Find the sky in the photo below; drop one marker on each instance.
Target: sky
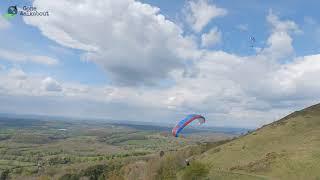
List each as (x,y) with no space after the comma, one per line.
(159,60)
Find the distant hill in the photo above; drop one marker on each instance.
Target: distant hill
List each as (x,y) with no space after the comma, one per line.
(285,149)
(25,120)
(156,127)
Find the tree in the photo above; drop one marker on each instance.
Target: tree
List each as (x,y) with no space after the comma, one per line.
(4,175)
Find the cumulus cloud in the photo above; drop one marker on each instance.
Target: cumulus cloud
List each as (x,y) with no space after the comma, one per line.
(17,74)
(50,84)
(298,77)
(60,50)
(132,41)
(200,12)
(253,89)
(247,90)
(15,81)
(211,38)
(281,26)
(18,57)
(280,41)
(4,24)
(228,89)
(243,27)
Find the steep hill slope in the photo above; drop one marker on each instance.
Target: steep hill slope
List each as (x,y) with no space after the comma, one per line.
(286,149)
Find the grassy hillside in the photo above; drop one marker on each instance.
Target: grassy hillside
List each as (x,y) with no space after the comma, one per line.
(56,149)
(286,149)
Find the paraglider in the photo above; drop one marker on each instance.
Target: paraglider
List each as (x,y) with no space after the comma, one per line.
(254,45)
(161,153)
(184,122)
(252,41)
(187,162)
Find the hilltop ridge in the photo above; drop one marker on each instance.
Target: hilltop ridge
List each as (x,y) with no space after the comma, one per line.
(285,149)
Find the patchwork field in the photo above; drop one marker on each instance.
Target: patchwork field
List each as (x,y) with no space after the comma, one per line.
(53,149)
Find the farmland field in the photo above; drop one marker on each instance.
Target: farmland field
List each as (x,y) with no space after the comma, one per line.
(53,148)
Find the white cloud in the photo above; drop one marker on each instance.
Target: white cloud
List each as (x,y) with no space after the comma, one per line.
(43,60)
(211,38)
(200,12)
(15,82)
(132,41)
(60,50)
(17,74)
(50,84)
(243,27)
(280,41)
(18,57)
(4,24)
(298,77)
(280,45)
(281,26)
(228,89)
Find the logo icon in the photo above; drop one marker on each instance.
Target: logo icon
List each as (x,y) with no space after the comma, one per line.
(12,11)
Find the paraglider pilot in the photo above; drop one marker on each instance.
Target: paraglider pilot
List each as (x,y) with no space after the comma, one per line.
(187,162)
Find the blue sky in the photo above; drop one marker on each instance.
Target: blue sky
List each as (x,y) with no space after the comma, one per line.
(253,14)
(162,58)
(30,40)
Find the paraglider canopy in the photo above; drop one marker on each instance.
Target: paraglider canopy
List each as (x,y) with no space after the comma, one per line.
(252,41)
(184,122)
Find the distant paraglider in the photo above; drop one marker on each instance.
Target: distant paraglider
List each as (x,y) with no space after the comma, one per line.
(252,41)
(184,122)
(254,46)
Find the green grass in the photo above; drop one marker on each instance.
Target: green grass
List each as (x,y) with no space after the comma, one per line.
(287,149)
(273,152)
(216,175)
(195,171)
(29,149)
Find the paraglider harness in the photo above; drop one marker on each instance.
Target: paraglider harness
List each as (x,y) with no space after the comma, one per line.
(187,162)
